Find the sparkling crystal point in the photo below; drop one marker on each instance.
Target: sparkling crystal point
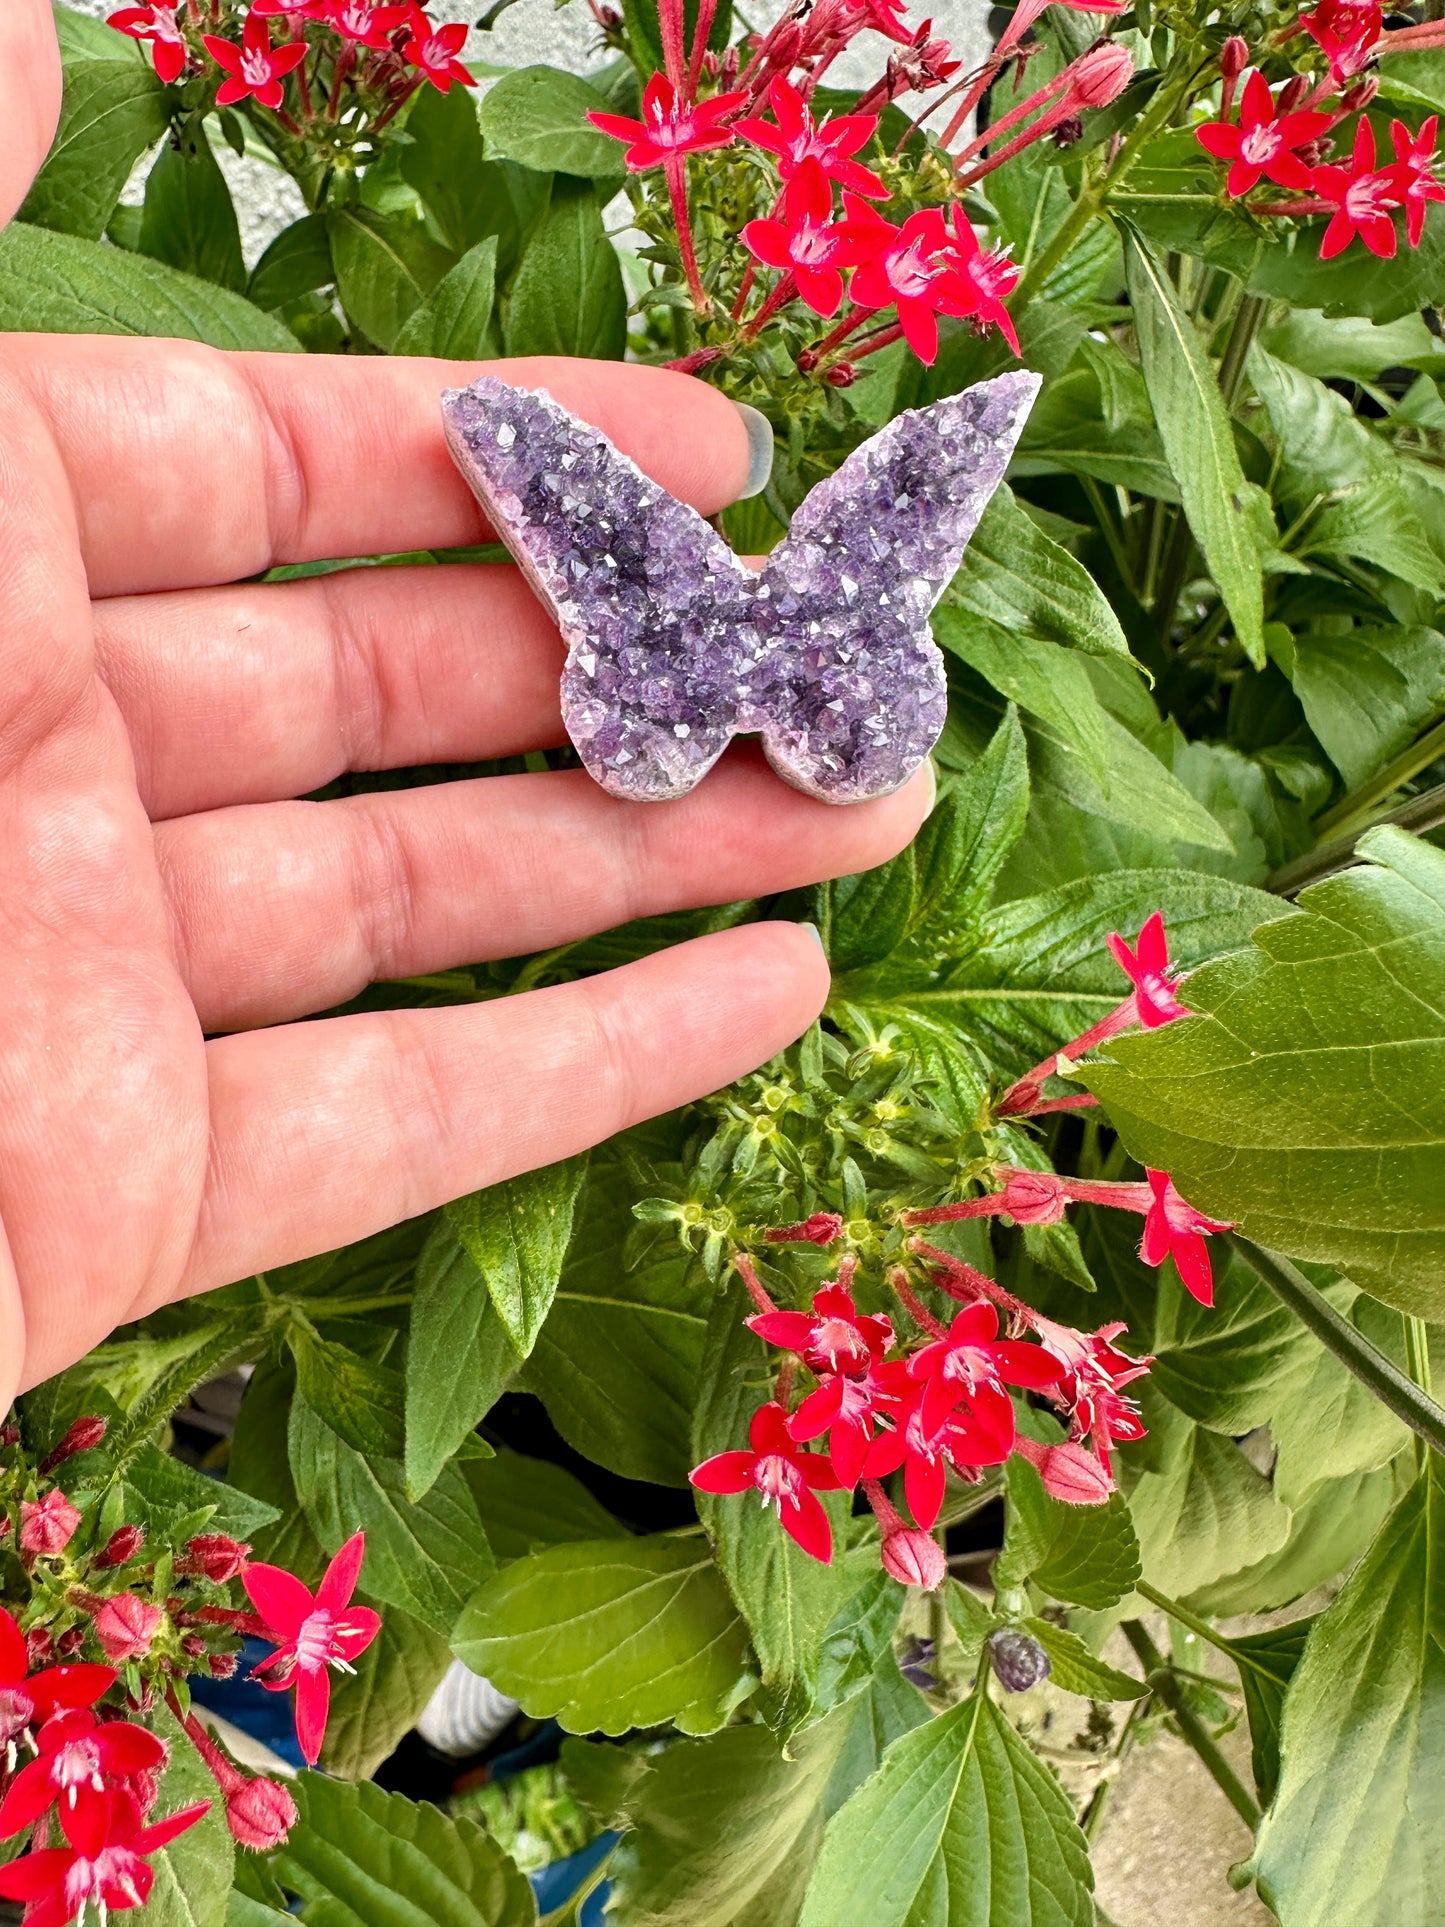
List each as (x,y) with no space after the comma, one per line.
(674,646)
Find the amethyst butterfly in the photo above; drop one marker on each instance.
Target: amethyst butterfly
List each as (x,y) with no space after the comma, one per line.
(674,646)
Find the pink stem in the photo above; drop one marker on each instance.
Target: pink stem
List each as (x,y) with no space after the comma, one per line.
(781,295)
(1050,118)
(914,1305)
(976,86)
(705,12)
(743,1265)
(699,358)
(1060,84)
(1020,1096)
(872,343)
(669,16)
(674,167)
(966,1285)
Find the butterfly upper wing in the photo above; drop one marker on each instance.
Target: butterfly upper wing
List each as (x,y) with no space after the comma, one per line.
(851,696)
(652,604)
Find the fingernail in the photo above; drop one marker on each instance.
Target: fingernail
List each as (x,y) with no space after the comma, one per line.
(760,450)
(814,932)
(932,785)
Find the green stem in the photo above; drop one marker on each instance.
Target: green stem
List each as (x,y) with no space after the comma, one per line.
(1112,538)
(1395,1389)
(1166,1688)
(1173,573)
(1248,320)
(1199,1627)
(1361,803)
(1423,812)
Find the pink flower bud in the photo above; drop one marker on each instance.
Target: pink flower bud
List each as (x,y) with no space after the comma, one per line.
(1070,1472)
(1033,1197)
(1100,75)
(1233,57)
(914,1558)
(214,1556)
(821,1229)
(260,1814)
(124,1543)
(1358,97)
(39,1647)
(47,1525)
(1291,94)
(841,375)
(223,1665)
(125,1627)
(83,1436)
(70,1643)
(193,1646)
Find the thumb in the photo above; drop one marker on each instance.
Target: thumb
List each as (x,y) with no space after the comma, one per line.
(29,98)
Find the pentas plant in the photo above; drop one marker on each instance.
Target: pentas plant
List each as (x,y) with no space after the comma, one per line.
(109,1624)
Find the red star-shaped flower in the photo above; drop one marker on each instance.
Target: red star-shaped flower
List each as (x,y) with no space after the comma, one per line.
(312,1634)
(363,24)
(807,242)
(1090,1391)
(1415,173)
(255,69)
(158,25)
(968,1438)
(434,49)
(971,1367)
(777,1468)
(1174,1229)
(1362,197)
(103,1865)
(78,1755)
(832,1337)
(1147,965)
(1346,33)
(908,268)
(1261,143)
(670,128)
(27,1697)
(798,138)
(985,277)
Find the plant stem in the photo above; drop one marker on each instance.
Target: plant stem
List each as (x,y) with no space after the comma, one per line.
(1112,539)
(1422,812)
(1248,320)
(1395,1389)
(1167,1688)
(1199,1627)
(1361,803)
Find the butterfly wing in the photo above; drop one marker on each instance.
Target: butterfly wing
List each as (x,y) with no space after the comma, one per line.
(852,696)
(652,604)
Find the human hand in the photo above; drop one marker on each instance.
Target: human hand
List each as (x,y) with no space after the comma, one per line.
(156,887)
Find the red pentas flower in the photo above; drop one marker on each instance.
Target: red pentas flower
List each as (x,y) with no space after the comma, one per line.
(807,242)
(103,1863)
(798,138)
(971,1366)
(833,1337)
(434,50)
(1346,33)
(362,23)
(909,268)
(312,1633)
(782,1474)
(158,25)
(986,277)
(78,1755)
(27,1696)
(968,1438)
(291,9)
(1415,173)
(1090,1391)
(670,127)
(1174,1229)
(1147,965)
(255,69)
(1262,142)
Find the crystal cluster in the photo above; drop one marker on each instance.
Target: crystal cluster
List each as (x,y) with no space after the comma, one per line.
(674,646)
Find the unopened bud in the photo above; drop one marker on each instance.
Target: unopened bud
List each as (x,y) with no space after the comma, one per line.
(1358,97)
(260,1814)
(193,1646)
(841,375)
(914,1558)
(1100,75)
(47,1525)
(39,1647)
(1034,1197)
(146,1788)
(70,1642)
(9,1435)
(125,1627)
(824,1226)
(1291,94)
(223,1665)
(1017,1658)
(83,1436)
(214,1556)
(124,1543)
(1233,57)
(807,360)
(1071,1473)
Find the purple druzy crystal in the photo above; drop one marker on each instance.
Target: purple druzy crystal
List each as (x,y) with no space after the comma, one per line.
(674,647)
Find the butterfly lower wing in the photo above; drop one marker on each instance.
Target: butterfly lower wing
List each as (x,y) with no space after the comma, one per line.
(852,696)
(652,604)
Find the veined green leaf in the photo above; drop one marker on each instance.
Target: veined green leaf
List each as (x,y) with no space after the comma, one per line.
(113,110)
(516,1233)
(1016,578)
(526,1504)
(386,268)
(1074,1668)
(1087,1555)
(538,117)
(567,296)
(459,1357)
(190,219)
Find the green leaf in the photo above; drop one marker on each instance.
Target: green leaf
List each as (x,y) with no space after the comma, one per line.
(1352,1835)
(1040,676)
(855,1641)
(364,1858)
(427,1556)
(788,1598)
(459,1357)
(1199,1507)
(193,1874)
(526,1504)
(1351,348)
(567,296)
(1081,425)
(1307,1100)
(1198,440)
(260,1467)
(1328,1425)
(63,284)
(112,111)
(190,219)
(1266,1663)
(296,263)
(445,162)
(516,1233)
(610,1634)
(1015,577)
(716,1826)
(1327,1534)
(1087,1555)
(617,1362)
(386,268)
(1367,693)
(456,323)
(1074,1668)
(163,1487)
(538,117)
(1325,450)
(1142,792)
(395,1679)
(971,1618)
(361,1401)
(961,1826)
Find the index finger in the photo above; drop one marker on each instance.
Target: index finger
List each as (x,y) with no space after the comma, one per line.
(190,466)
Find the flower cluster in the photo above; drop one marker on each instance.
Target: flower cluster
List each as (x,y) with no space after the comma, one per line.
(941,1400)
(1281,136)
(900,276)
(382,53)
